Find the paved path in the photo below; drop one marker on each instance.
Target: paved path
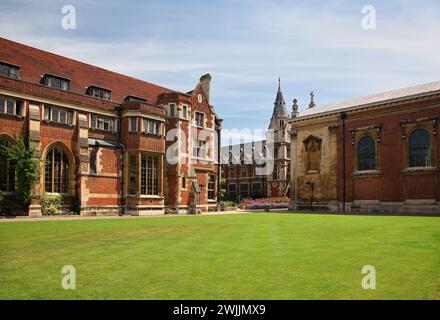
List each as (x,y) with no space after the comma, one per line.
(73,217)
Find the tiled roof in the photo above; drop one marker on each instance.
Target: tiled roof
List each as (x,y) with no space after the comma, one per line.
(35,63)
(388,96)
(247,152)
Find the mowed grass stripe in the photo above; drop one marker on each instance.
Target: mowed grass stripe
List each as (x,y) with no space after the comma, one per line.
(247,256)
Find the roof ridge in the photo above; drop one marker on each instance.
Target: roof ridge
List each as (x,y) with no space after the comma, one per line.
(373,98)
(84,63)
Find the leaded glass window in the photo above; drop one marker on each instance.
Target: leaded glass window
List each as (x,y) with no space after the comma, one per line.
(366,154)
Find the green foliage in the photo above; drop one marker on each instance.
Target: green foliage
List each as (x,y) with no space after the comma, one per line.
(227,203)
(51,204)
(223,194)
(26,166)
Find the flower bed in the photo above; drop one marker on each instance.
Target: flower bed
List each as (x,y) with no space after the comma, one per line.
(265,203)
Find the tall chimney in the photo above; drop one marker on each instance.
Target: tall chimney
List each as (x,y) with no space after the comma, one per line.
(205,81)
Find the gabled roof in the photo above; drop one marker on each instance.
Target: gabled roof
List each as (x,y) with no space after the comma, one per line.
(199,88)
(384,97)
(35,63)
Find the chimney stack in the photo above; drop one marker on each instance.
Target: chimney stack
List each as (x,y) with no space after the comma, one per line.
(205,81)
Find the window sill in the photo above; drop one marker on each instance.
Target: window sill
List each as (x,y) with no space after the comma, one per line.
(366,173)
(57,194)
(203,159)
(157,135)
(102,130)
(58,124)
(103,175)
(419,169)
(9,77)
(10,115)
(150,197)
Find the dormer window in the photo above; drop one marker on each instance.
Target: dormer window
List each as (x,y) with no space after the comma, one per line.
(99,93)
(9,70)
(134,98)
(55,82)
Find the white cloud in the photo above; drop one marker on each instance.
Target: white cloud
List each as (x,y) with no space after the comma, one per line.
(313,45)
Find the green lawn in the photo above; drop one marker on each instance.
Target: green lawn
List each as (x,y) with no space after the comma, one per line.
(247,256)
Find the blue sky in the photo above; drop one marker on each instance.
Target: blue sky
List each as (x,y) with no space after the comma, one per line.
(244,45)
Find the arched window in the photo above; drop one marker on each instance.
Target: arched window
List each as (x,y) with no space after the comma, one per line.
(56,171)
(366,154)
(7,170)
(419,149)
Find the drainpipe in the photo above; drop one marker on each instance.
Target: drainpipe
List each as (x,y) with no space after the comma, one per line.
(119,111)
(311,185)
(219,174)
(344,187)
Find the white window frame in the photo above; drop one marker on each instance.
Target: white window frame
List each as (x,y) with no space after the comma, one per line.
(203,119)
(133,120)
(50,110)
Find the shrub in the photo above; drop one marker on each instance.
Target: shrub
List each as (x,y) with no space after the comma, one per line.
(26,166)
(227,203)
(51,204)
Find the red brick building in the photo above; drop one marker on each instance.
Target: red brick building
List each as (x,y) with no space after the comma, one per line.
(108,142)
(373,154)
(261,168)
(239,170)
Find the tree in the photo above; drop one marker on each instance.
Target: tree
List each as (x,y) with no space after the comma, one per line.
(222,189)
(26,166)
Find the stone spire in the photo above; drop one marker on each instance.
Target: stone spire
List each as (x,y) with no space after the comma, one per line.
(279,110)
(312,102)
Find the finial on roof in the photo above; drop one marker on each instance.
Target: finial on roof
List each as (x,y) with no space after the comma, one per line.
(294,108)
(279,99)
(312,102)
